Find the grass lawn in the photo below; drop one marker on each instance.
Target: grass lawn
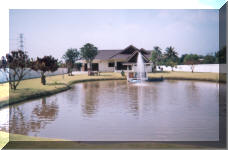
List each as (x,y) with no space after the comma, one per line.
(215,77)
(4,90)
(4,138)
(36,142)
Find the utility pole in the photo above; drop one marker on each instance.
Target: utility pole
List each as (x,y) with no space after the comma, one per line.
(21,41)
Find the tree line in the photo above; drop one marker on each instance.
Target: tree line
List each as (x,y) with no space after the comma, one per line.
(170,58)
(17,64)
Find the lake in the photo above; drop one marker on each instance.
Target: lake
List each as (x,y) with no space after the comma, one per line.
(120,111)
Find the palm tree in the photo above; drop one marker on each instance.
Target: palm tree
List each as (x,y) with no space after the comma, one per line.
(171,57)
(156,57)
(170,52)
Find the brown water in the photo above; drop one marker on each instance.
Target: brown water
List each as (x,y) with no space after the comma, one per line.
(120,111)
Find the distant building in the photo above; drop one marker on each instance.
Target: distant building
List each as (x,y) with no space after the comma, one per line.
(117,60)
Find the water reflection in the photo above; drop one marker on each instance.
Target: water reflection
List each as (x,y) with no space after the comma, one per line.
(23,121)
(133,100)
(117,110)
(90,101)
(47,111)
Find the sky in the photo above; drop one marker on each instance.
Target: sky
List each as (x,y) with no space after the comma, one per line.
(213,3)
(52,32)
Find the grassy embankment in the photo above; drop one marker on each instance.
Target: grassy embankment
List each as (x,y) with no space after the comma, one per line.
(214,77)
(4,137)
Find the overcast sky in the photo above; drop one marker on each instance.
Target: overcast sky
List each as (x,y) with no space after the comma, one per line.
(52,32)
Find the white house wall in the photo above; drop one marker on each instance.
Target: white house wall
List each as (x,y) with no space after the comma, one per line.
(103,67)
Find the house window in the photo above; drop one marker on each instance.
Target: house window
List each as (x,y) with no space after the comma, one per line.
(111,64)
(120,66)
(129,67)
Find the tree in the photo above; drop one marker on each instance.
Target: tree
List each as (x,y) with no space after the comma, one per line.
(61,64)
(170,57)
(191,59)
(171,53)
(3,63)
(221,56)
(181,59)
(4,69)
(18,63)
(209,59)
(89,52)
(70,57)
(156,57)
(47,63)
(171,63)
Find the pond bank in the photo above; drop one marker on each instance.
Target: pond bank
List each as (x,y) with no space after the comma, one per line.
(32,88)
(38,142)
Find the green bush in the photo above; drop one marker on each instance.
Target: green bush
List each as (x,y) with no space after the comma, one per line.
(122,73)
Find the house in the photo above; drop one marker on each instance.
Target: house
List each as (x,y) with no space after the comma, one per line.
(118,60)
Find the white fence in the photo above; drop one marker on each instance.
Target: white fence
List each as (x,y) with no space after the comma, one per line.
(34,74)
(216,68)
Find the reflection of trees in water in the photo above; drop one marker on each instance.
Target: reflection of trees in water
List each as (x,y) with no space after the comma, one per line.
(91,91)
(40,117)
(46,111)
(71,95)
(17,122)
(136,99)
(151,98)
(193,87)
(97,91)
(193,93)
(142,98)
